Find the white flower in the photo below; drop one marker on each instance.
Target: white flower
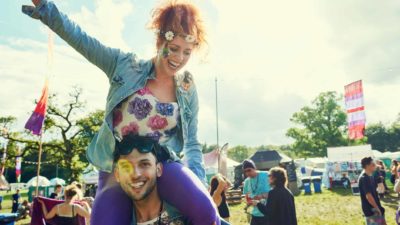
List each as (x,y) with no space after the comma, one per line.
(169,36)
(190,38)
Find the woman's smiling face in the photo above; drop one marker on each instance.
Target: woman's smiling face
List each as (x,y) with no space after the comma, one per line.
(174,55)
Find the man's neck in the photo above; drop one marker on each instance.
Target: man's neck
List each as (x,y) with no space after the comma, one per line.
(369,173)
(148,208)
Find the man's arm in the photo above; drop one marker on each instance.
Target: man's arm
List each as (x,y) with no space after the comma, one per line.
(372,201)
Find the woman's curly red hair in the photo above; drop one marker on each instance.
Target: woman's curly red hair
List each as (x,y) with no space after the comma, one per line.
(180,17)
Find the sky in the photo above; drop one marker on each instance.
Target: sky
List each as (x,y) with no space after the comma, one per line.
(271,58)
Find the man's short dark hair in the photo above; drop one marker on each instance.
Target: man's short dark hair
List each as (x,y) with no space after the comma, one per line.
(58,186)
(131,142)
(366,161)
(280,176)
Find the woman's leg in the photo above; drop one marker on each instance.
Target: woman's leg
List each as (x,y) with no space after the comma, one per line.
(111,205)
(180,187)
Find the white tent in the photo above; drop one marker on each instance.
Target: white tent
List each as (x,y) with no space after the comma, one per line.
(4,185)
(349,153)
(56,181)
(90,175)
(43,182)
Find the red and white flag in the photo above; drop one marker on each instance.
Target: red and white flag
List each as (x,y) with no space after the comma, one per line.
(354,101)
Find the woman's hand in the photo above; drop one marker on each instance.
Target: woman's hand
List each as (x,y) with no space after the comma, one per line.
(36,2)
(41,201)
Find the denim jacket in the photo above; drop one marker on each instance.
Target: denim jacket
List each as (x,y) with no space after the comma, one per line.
(127,74)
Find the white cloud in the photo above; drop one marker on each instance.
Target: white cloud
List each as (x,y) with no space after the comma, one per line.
(106,22)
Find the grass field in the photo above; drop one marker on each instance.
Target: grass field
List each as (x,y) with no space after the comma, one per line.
(337,207)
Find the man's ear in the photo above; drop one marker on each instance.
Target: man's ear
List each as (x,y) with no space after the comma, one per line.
(116,174)
(159,169)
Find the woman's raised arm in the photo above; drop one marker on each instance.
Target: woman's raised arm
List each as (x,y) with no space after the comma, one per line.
(103,57)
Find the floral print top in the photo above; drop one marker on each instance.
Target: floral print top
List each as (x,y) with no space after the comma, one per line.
(143,114)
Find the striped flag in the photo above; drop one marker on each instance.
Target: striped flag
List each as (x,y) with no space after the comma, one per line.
(35,122)
(18,161)
(354,102)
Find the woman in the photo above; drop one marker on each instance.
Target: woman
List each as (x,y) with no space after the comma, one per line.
(393,170)
(280,208)
(382,174)
(67,213)
(146,97)
(219,185)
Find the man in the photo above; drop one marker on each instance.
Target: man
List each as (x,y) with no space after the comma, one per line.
(15,203)
(57,192)
(136,170)
(280,208)
(373,211)
(255,187)
(23,210)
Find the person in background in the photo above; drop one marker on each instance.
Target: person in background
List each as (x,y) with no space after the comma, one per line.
(23,210)
(218,186)
(57,192)
(382,173)
(280,208)
(80,190)
(256,187)
(393,171)
(373,211)
(67,213)
(345,181)
(15,201)
(1,201)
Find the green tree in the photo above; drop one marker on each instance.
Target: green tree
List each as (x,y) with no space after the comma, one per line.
(321,125)
(240,153)
(66,137)
(378,136)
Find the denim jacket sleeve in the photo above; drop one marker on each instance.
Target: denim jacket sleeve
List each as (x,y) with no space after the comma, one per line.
(103,57)
(191,146)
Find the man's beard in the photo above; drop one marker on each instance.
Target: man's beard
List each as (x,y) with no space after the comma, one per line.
(151,186)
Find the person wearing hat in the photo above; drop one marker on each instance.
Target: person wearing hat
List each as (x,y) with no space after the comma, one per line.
(256,187)
(15,203)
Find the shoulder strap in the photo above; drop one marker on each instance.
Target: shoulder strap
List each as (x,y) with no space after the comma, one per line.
(73,211)
(58,209)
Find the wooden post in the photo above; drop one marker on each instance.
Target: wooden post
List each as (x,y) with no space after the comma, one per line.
(38,165)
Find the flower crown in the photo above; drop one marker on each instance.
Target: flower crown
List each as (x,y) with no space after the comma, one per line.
(169,36)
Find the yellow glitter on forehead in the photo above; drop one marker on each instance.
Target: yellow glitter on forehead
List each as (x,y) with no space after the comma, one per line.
(124,166)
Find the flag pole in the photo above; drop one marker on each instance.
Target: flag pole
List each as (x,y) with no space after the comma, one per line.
(38,165)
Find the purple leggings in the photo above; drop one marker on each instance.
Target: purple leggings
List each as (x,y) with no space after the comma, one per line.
(178,185)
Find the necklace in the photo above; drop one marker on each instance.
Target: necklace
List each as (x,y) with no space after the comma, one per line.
(254,189)
(160,213)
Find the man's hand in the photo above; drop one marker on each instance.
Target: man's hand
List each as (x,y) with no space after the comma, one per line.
(36,2)
(377,212)
(255,202)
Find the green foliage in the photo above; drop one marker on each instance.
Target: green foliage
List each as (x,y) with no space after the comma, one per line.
(240,153)
(66,137)
(384,138)
(321,125)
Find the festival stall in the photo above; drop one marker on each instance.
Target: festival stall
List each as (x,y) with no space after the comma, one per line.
(345,162)
(211,165)
(42,184)
(90,178)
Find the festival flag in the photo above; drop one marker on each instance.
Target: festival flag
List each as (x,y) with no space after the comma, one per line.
(35,122)
(223,164)
(18,161)
(354,101)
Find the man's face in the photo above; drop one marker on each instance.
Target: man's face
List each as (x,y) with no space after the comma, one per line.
(58,190)
(371,167)
(137,174)
(250,172)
